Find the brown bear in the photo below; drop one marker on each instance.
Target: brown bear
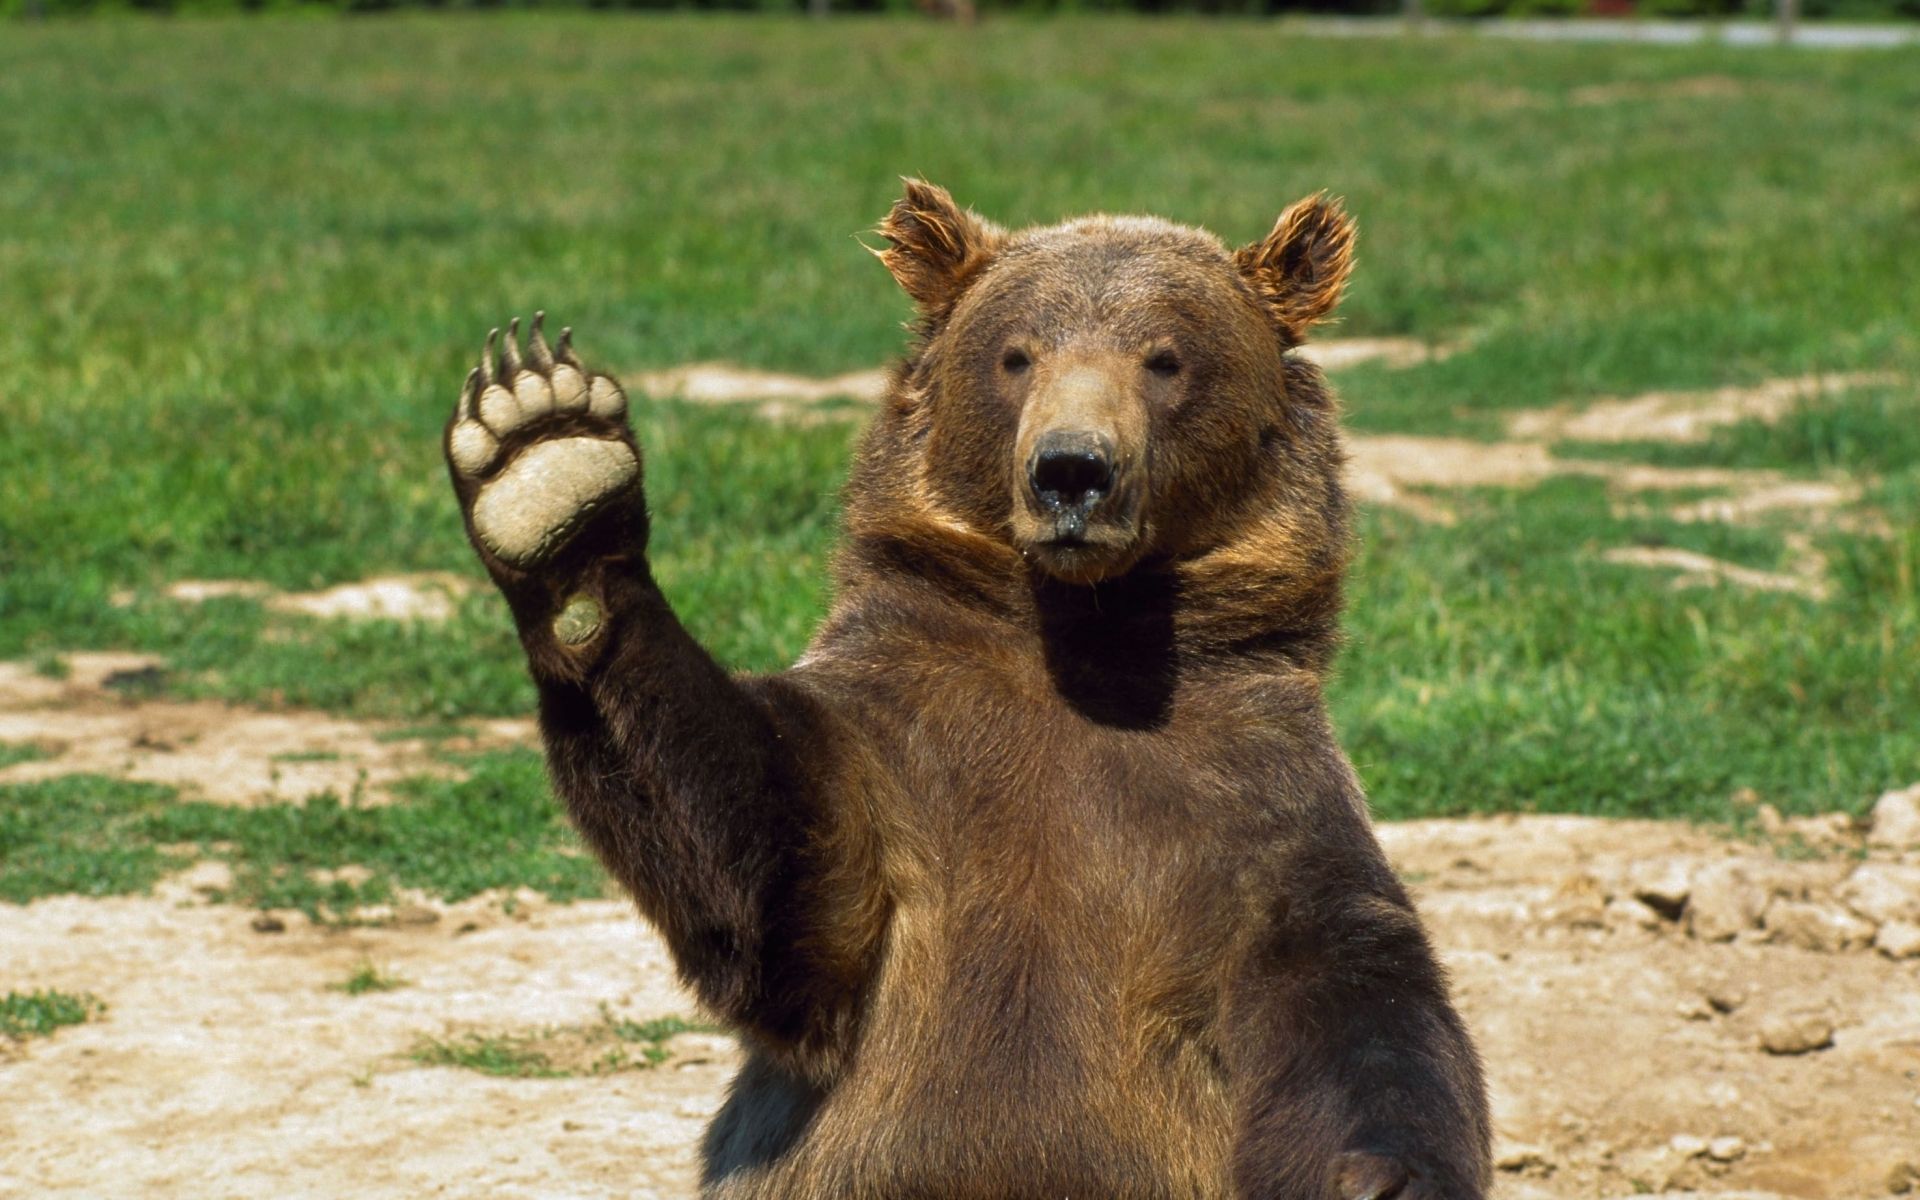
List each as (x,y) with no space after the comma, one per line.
(1041,873)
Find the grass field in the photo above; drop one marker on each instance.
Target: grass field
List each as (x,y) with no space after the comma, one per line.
(245,264)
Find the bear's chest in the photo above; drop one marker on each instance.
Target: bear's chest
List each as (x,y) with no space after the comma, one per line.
(1074,877)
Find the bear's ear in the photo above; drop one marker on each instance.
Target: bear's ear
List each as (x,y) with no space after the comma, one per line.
(1299,269)
(936,247)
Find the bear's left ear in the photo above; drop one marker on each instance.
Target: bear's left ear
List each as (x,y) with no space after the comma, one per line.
(936,247)
(1299,269)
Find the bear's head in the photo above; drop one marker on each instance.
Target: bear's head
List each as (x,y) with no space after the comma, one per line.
(1113,392)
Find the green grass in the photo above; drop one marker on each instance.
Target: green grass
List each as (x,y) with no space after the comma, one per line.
(237,313)
(1503,666)
(609,1045)
(39,1013)
(503,1055)
(367,977)
(19,752)
(497,829)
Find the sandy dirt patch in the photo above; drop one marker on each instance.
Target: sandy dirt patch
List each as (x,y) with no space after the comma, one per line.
(1702,570)
(1412,474)
(211,751)
(1626,1048)
(776,392)
(1400,471)
(1685,416)
(226,1066)
(427,596)
(780,396)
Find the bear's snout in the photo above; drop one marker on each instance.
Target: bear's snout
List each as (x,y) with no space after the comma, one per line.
(1071,473)
(1080,466)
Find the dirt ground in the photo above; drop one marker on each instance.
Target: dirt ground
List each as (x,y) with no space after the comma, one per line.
(1627,1054)
(1662,1009)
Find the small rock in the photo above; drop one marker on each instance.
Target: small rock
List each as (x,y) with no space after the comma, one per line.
(1882,892)
(1896,819)
(268,923)
(1688,1145)
(208,877)
(571,1126)
(1623,913)
(1725,997)
(1520,1159)
(1795,1033)
(1726,1149)
(1724,902)
(1578,903)
(1816,926)
(688,1049)
(1830,831)
(1695,1009)
(1769,819)
(416,914)
(1661,885)
(1903,1178)
(1898,939)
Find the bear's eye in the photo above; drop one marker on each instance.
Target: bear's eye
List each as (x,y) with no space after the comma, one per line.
(1015,361)
(1164,363)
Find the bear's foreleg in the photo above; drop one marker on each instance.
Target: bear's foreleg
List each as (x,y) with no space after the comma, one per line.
(715,802)
(1356,1078)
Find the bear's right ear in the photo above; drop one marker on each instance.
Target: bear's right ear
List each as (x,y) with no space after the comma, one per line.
(1299,270)
(936,247)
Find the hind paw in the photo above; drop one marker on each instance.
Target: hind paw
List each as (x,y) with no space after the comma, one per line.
(539,447)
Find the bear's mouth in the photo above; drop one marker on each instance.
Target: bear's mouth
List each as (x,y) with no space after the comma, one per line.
(1072,550)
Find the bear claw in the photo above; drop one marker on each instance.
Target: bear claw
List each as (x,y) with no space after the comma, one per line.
(518,433)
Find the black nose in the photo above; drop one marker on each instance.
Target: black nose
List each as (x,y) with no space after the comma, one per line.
(1071,470)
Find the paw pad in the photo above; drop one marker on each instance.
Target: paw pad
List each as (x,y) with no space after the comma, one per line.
(546,442)
(579,621)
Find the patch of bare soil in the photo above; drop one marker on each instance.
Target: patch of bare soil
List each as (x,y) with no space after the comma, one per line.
(91,723)
(1407,473)
(1335,354)
(227,1064)
(1684,416)
(427,596)
(1661,1009)
(774,395)
(1401,471)
(780,396)
(1391,470)
(1701,570)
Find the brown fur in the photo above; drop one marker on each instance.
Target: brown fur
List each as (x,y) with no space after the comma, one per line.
(1041,874)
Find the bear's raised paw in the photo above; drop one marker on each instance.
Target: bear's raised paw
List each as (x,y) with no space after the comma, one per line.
(538,446)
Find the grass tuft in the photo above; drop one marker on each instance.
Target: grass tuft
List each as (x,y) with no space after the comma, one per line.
(498,828)
(603,1047)
(39,1013)
(368,977)
(20,752)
